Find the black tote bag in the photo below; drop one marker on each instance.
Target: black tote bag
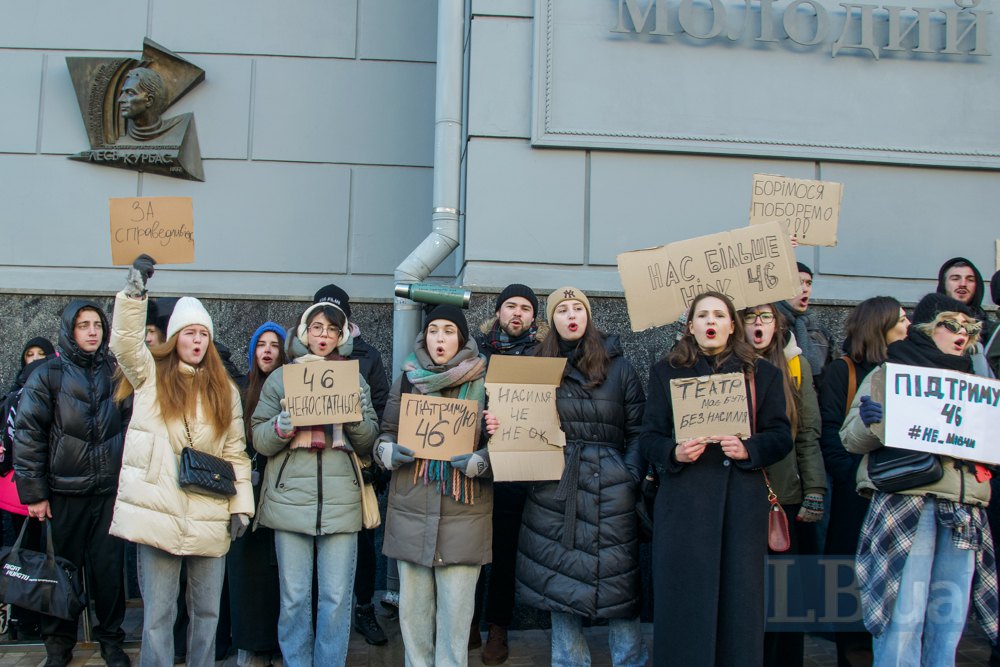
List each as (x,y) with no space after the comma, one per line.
(41,582)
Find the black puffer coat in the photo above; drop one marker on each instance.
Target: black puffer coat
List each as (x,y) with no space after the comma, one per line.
(578,551)
(72,443)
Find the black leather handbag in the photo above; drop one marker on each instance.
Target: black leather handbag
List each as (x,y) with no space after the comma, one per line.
(204,473)
(41,582)
(891,469)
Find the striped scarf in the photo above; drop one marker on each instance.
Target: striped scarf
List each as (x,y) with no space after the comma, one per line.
(467,374)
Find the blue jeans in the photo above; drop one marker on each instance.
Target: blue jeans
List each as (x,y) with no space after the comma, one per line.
(569,645)
(336,556)
(159,580)
(435,612)
(929,614)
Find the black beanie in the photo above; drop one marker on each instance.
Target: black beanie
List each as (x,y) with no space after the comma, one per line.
(803,268)
(995,288)
(517,289)
(41,342)
(935,303)
(453,314)
(333,294)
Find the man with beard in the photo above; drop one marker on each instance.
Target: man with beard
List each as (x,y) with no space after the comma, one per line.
(816,342)
(960,279)
(512,330)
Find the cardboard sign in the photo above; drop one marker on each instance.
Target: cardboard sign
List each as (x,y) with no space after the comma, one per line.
(808,209)
(938,411)
(750,265)
(437,428)
(710,405)
(161,227)
(522,391)
(322,392)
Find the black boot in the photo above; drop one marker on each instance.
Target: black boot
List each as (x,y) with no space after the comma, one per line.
(365,623)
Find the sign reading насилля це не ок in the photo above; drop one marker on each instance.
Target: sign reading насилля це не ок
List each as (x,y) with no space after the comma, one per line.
(814,79)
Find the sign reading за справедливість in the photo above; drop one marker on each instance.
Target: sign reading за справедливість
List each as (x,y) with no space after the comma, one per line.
(939,411)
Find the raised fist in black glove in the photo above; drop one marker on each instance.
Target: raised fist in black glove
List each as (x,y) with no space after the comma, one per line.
(138,274)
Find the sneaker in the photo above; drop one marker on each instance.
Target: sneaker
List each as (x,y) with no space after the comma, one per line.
(495,650)
(390,602)
(475,639)
(367,626)
(114,656)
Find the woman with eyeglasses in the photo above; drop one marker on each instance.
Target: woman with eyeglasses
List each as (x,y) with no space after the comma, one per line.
(872,326)
(711,515)
(311,498)
(924,551)
(799,479)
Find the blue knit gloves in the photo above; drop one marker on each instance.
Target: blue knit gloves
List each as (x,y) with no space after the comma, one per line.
(471,464)
(392,454)
(870,411)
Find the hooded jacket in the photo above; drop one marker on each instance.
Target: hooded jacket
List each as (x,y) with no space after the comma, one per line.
(976,304)
(69,437)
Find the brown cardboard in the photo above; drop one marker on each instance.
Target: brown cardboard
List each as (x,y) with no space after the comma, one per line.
(437,428)
(808,209)
(322,392)
(751,265)
(529,443)
(161,227)
(710,405)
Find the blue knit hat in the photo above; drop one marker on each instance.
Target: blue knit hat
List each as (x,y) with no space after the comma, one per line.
(261,330)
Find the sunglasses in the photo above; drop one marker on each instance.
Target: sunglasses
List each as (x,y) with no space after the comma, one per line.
(751,317)
(970,327)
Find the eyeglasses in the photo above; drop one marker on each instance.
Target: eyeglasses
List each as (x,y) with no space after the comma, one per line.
(971,327)
(750,317)
(318,329)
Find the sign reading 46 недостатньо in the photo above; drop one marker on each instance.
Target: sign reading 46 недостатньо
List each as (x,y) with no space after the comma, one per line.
(939,411)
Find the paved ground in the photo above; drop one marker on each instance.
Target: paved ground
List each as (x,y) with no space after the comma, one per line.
(528,648)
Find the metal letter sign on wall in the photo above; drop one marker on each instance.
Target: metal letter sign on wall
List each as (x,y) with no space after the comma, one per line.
(123,101)
(808,79)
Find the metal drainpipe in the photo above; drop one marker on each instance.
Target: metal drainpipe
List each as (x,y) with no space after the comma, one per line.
(443,238)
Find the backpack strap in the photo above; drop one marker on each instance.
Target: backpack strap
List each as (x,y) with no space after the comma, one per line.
(852,382)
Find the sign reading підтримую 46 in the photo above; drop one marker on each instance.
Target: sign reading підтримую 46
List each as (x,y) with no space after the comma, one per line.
(123,102)
(907,82)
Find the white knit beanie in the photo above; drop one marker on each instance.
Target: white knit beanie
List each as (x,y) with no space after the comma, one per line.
(189,311)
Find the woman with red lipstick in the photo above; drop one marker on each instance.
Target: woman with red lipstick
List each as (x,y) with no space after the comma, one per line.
(925,551)
(438,526)
(578,551)
(310,498)
(183,397)
(710,520)
(799,479)
(253,574)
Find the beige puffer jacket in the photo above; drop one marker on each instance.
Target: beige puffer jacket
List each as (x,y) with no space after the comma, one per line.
(151,508)
(958,484)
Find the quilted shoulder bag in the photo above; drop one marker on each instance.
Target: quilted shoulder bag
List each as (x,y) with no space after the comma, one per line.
(204,473)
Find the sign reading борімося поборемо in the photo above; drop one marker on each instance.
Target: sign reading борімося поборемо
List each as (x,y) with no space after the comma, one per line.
(778,78)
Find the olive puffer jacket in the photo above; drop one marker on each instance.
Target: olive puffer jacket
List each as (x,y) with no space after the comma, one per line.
(309,491)
(69,438)
(579,542)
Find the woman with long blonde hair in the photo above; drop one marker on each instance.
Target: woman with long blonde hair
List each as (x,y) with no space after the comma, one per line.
(183,397)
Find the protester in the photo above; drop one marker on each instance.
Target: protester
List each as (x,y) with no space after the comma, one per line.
(68,444)
(182,398)
(36,348)
(799,479)
(872,326)
(513,330)
(312,498)
(252,569)
(924,551)
(711,511)
(816,342)
(578,553)
(960,279)
(438,523)
(370,363)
